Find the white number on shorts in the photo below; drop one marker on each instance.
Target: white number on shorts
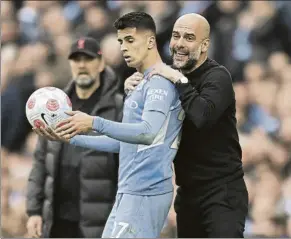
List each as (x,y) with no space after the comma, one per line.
(123,225)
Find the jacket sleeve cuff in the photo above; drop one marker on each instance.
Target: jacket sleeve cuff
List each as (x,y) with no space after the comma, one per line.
(34,213)
(184,89)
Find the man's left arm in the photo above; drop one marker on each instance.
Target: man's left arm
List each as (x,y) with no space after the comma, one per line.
(158,99)
(205,107)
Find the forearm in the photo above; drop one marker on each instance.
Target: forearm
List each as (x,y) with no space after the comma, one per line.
(205,107)
(134,133)
(196,109)
(99,143)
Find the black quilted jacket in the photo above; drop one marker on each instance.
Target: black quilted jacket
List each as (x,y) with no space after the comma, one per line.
(98,171)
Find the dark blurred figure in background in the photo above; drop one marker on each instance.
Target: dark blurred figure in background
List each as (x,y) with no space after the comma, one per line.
(71,190)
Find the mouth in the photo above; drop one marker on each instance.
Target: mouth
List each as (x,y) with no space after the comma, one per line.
(127,58)
(179,55)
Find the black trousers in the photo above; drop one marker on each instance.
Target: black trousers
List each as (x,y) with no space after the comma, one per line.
(217,212)
(65,229)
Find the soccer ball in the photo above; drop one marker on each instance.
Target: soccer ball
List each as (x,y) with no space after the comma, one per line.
(46,107)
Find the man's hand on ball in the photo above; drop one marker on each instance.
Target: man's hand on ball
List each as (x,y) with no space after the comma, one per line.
(49,134)
(79,122)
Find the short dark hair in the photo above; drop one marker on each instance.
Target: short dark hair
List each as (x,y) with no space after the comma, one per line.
(138,20)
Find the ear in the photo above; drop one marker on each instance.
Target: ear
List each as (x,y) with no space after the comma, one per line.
(205,45)
(151,42)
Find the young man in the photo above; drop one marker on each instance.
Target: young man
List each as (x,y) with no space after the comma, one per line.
(212,198)
(147,139)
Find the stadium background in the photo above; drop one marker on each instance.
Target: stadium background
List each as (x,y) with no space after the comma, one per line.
(251,38)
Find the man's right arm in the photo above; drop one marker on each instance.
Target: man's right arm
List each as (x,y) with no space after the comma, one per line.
(100,143)
(36,180)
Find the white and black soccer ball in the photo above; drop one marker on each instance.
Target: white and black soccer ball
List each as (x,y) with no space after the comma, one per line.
(46,107)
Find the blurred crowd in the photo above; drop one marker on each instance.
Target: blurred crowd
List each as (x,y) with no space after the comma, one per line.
(251,38)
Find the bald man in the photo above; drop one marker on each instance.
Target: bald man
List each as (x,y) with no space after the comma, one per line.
(212,199)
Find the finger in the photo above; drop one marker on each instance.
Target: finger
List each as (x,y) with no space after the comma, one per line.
(135,83)
(138,79)
(132,84)
(32,231)
(67,136)
(64,127)
(38,132)
(38,229)
(67,131)
(63,122)
(46,133)
(29,231)
(138,74)
(52,133)
(74,134)
(57,136)
(71,112)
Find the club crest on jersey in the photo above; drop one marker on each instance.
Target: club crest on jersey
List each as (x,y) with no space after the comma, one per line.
(131,104)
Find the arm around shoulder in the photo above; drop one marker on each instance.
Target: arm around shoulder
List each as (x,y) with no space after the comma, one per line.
(204,107)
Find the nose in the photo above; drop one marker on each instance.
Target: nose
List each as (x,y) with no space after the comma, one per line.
(81,63)
(123,48)
(180,43)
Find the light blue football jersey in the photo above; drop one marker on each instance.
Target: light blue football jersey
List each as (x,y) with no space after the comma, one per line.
(147,169)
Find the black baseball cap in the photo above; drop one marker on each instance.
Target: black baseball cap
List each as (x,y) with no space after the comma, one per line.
(86,45)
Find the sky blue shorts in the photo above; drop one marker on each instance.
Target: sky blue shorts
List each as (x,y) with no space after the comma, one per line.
(135,216)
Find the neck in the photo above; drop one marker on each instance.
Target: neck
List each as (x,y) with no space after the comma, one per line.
(86,93)
(199,63)
(152,59)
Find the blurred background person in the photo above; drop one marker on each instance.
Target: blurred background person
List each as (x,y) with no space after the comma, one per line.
(36,37)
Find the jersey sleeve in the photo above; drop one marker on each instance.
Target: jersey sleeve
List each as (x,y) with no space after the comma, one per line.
(158,96)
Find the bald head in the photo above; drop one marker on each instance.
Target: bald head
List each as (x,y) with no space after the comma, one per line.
(196,23)
(190,42)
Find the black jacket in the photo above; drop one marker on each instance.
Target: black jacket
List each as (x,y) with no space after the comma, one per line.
(98,171)
(209,153)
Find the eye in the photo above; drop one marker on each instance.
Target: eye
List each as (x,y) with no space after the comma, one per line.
(175,36)
(190,38)
(130,40)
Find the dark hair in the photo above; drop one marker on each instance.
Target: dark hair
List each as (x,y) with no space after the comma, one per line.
(138,20)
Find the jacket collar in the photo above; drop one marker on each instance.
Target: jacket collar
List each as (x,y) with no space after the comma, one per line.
(109,89)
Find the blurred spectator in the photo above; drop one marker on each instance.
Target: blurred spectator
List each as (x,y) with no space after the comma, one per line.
(97,23)
(112,55)
(254,37)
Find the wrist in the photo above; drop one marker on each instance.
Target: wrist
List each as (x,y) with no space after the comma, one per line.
(91,122)
(182,80)
(96,123)
(177,77)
